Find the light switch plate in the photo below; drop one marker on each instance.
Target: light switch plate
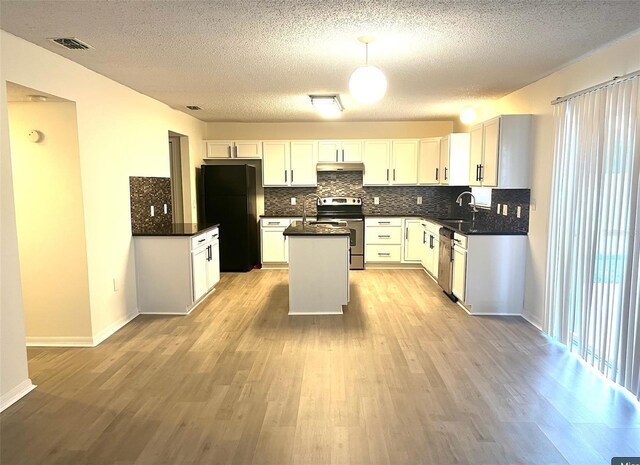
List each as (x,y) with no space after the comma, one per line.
(504,209)
(376,200)
(499,208)
(532,205)
(518,211)
(419,201)
(293,200)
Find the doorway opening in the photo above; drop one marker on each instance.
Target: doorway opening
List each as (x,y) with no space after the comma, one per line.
(179,174)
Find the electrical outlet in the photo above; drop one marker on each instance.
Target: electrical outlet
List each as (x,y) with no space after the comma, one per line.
(532,205)
(376,200)
(166,210)
(115,284)
(153,211)
(499,208)
(293,200)
(419,201)
(504,209)
(518,211)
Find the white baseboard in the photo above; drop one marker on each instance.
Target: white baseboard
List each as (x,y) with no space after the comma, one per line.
(44,341)
(532,321)
(112,329)
(16,394)
(39,341)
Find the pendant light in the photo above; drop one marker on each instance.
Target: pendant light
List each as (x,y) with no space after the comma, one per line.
(368,84)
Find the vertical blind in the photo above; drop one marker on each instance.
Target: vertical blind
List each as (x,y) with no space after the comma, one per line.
(593,286)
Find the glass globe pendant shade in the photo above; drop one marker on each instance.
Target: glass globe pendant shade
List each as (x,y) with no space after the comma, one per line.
(468,115)
(368,84)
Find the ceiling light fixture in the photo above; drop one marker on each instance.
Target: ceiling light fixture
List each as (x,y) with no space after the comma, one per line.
(468,115)
(37,98)
(368,84)
(329,106)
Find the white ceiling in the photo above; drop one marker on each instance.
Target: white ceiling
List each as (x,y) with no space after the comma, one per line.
(258,60)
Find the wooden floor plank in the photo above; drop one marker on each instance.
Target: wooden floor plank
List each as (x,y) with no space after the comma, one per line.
(403,377)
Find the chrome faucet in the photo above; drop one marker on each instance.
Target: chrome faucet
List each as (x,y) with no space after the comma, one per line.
(473,198)
(304,206)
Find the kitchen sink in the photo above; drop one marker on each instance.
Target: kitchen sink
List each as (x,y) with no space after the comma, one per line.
(455,221)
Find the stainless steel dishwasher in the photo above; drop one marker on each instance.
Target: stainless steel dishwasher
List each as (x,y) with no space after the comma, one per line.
(445,262)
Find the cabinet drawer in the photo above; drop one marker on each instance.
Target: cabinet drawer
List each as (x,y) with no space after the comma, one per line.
(197,241)
(383,235)
(460,240)
(383,222)
(383,253)
(275,222)
(212,234)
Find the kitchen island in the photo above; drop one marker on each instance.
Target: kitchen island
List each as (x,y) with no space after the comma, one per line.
(318,267)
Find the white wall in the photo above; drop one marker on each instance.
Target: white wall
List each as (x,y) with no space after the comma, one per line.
(50,222)
(617,59)
(14,378)
(121,133)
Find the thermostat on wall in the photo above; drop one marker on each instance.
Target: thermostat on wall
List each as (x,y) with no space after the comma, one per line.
(35,136)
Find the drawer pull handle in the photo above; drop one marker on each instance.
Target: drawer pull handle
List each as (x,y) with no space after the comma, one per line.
(384,254)
(274,222)
(201,240)
(384,222)
(384,236)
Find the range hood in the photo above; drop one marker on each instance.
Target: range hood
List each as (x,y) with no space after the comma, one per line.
(331,166)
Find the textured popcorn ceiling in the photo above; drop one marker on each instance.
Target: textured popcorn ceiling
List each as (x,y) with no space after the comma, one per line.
(258,60)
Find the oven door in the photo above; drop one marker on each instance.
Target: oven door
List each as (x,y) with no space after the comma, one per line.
(357,236)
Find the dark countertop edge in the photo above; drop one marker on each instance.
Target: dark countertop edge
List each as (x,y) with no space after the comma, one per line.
(295,230)
(285,216)
(157,233)
(448,226)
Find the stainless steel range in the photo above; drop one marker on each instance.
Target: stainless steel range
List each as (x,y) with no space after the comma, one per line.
(347,209)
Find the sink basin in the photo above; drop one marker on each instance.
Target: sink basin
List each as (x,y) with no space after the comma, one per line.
(455,221)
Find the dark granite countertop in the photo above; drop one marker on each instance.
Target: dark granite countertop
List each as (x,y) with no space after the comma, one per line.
(467,228)
(175,229)
(298,229)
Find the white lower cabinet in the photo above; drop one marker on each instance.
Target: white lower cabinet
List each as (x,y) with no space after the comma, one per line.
(174,273)
(431,248)
(413,235)
(488,273)
(275,250)
(383,240)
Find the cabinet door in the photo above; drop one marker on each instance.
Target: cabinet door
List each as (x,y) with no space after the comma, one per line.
(376,157)
(444,161)
(219,148)
(490,152)
(458,173)
(413,240)
(273,246)
(459,273)
(248,149)
(475,155)
(435,255)
(213,265)
(328,150)
(351,151)
(424,246)
(199,272)
(275,163)
(405,162)
(304,157)
(429,161)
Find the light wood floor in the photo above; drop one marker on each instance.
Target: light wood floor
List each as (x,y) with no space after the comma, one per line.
(404,377)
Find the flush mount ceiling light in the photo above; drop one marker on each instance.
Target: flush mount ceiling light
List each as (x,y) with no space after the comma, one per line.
(468,115)
(367,84)
(329,106)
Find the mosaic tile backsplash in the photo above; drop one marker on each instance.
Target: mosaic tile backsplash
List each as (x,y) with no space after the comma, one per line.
(437,201)
(145,192)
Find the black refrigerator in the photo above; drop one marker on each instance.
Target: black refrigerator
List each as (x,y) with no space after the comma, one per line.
(228,197)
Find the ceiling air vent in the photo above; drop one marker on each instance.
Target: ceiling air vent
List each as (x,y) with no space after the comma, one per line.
(71,43)
(193,107)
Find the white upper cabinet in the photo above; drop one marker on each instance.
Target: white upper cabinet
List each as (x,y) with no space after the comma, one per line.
(340,151)
(404,154)
(499,152)
(276,163)
(429,161)
(304,157)
(376,158)
(289,163)
(233,149)
(390,162)
(454,160)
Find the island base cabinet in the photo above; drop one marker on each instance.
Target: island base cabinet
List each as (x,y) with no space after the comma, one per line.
(318,275)
(492,282)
